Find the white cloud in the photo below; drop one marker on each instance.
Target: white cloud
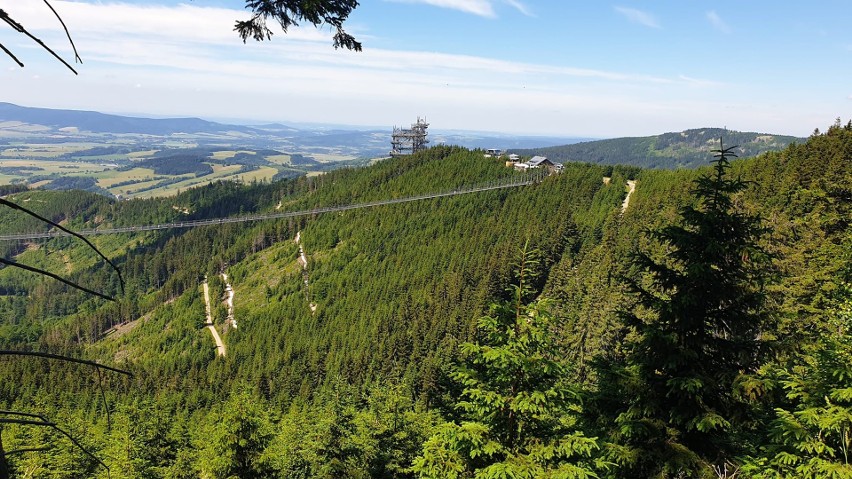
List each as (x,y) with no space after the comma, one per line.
(638,16)
(186,60)
(717,22)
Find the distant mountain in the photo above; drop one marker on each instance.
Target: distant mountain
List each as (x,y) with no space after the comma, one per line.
(686,149)
(56,126)
(93,121)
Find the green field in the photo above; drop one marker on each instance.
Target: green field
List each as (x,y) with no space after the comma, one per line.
(40,163)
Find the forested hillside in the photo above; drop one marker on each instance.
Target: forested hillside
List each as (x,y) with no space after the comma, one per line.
(686,149)
(537,331)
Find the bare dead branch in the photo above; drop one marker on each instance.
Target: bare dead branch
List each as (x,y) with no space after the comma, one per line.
(67,33)
(6,50)
(27,449)
(56,277)
(20,29)
(6,352)
(72,233)
(38,420)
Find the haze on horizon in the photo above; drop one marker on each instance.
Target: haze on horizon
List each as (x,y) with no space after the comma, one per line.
(522,67)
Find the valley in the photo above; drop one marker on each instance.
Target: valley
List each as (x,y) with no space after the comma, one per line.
(129,157)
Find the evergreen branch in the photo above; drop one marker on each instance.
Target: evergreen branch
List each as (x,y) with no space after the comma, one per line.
(66,230)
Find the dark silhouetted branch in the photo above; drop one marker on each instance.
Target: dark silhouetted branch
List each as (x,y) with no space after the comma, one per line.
(6,50)
(20,29)
(72,233)
(6,352)
(289,13)
(27,449)
(98,367)
(67,33)
(38,420)
(56,277)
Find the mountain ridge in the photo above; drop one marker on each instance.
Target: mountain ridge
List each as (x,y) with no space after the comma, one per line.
(94,121)
(672,150)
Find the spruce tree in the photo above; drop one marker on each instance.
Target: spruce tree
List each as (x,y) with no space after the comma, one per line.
(810,435)
(699,319)
(519,414)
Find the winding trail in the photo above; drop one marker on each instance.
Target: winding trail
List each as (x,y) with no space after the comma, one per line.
(631,187)
(220,346)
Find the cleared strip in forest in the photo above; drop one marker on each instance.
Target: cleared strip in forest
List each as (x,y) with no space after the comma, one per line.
(493,185)
(220,346)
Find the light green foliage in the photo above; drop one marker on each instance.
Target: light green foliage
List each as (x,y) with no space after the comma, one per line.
(518,412)
(343,437)
(238,440)
(811,435)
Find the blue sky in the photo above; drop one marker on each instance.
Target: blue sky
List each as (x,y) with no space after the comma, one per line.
(593,69)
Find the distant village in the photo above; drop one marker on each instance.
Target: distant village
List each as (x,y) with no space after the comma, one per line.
(407,141)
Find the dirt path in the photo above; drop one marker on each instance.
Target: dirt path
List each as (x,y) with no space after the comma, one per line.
(303,260)
(220,346)
(631,187)
(229,290)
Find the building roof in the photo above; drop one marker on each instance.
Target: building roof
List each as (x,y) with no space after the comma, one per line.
(538,161)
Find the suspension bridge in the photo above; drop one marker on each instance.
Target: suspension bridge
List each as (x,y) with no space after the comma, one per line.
(512,182)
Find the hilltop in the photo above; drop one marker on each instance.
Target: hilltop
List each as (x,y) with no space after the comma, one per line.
(685,149)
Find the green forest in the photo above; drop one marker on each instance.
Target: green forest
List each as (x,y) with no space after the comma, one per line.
(554,330)
(685,149)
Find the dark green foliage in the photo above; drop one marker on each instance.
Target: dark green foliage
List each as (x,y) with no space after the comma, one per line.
(288,13)
(517,411)
(699,325)
(74,183)
(177,164)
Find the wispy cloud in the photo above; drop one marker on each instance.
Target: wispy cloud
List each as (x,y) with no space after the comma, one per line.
(638,16)
(717,22)
(482,8)
(698,82)
(521,7)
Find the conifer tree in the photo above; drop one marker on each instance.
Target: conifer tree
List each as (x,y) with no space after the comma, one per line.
(239,439)
(810,435)
(519,413)
(699,322)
